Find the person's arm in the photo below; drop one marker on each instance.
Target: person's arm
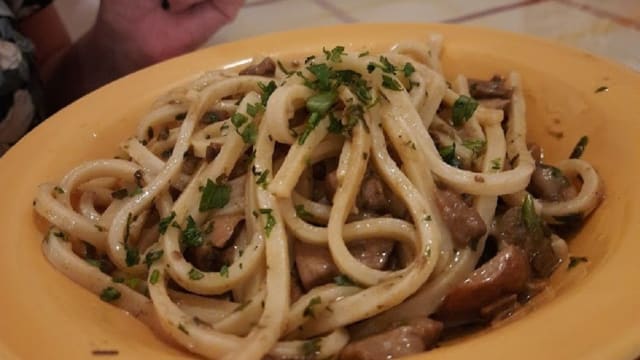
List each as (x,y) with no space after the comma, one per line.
(127,36)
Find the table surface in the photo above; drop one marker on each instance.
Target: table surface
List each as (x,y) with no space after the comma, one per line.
(609,28)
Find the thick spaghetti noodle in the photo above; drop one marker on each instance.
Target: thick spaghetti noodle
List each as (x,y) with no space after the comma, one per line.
(210,224)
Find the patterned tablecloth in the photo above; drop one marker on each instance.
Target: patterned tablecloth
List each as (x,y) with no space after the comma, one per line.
(609,28)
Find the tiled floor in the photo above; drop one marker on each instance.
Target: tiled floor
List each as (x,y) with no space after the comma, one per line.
(609,28)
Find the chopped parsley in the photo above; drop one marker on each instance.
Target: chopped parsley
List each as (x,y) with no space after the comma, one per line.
(210,118)
(109,294)
(195,274)
(152,257)
(267,90)
(120,194)
(191,235)
(496,164)
(164,222)
(271,221)
(261,177)
(302,213)
(576,260)
(530,218)
(476,145)
(463,109)
(255,109)
(214,196)
(132,256)
(343,280)
(408,69)
(59,190)
(448,155)
(322,102)
(311,348)
(308,311)
(335,55)
(283,69)
(363,54)
(239,119)
(155,275)
(312,123)
(250,134)
(224,271)
(391,83)
(385,65)
(578,150)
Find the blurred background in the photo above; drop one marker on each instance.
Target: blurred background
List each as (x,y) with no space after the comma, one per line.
(609,28)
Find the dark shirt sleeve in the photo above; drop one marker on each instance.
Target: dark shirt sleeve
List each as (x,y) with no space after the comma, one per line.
(21,105)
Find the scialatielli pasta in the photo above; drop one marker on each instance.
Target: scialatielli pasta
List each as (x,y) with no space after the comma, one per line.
(348,204)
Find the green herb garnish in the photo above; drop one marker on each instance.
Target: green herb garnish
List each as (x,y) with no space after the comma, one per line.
(496,164)
(448,155)
(579,148)
(271,220)
(255,109)
(210,118)
(530,217)
(120,194)
(214,196)
(343,280)
(576,260)
(132,255)
(155,275)
(312,123)
(250,134)
(195,274)
(476,145)
(311,348)
(261,177)
(283,69)
(191,235)
(463,109)
(267,90)
(308,310)
(164,222)
(239,119)
(408,69)
(109,294)
(335,55)
(302,213)
(385,65)
(224,271)
(391,83)
(152,257)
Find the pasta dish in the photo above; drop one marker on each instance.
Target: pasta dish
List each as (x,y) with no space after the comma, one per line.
(347,204)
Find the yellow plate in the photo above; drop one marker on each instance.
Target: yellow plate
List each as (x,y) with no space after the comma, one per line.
(46,315)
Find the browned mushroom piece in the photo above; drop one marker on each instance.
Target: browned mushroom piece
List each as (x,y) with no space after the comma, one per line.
(505,274)
(463,221)
(410,337)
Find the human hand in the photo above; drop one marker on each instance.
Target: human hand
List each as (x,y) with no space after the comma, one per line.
(143,32)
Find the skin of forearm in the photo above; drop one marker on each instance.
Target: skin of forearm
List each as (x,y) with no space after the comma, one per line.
(89,63)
